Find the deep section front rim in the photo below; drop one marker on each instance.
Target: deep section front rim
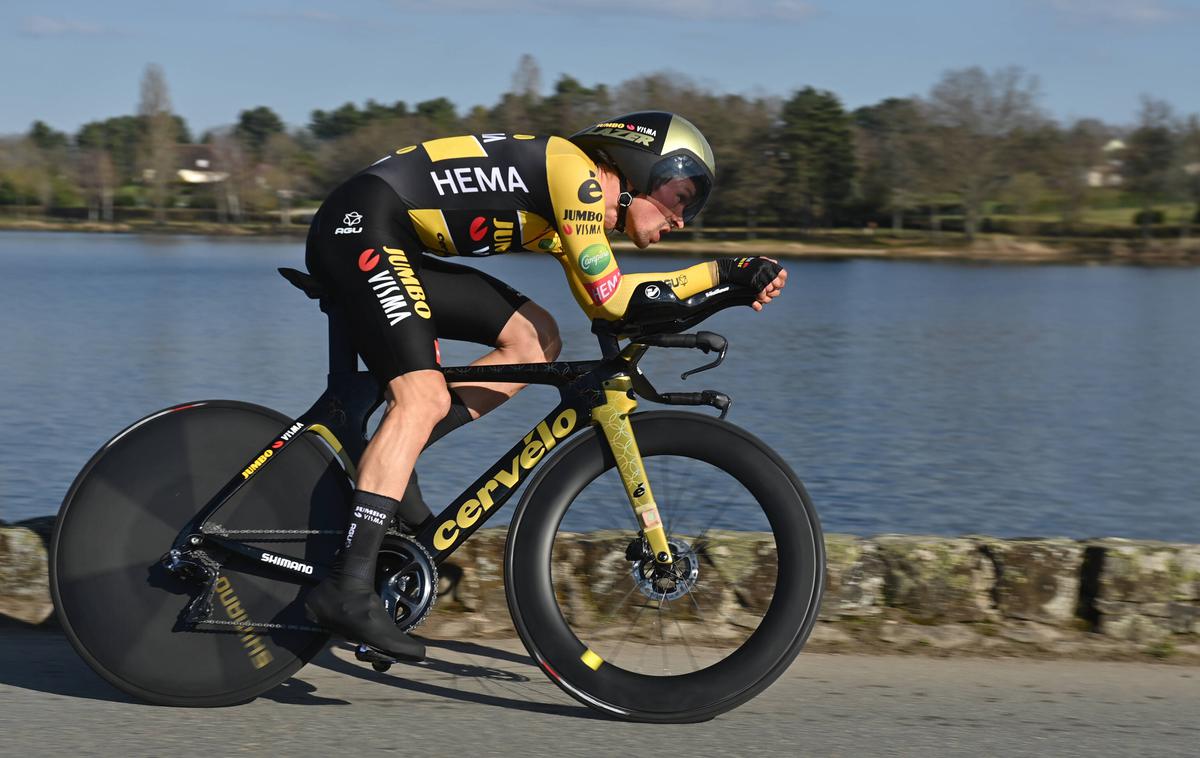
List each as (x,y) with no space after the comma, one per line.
(704,690)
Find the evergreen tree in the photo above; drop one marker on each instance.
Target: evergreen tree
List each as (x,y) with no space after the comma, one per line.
(817,146)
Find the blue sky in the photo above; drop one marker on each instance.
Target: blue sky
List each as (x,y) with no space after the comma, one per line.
(72,61)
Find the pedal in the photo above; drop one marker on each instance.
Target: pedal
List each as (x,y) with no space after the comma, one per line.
(379,660)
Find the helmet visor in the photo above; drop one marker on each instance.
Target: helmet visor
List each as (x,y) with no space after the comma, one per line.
(680,184)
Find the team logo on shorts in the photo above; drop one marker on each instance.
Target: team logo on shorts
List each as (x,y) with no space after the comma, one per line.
(351,221)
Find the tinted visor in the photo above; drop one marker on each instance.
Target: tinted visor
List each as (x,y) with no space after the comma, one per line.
(681,184)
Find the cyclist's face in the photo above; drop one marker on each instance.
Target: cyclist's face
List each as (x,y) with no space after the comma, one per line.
(650,216)
(674,196)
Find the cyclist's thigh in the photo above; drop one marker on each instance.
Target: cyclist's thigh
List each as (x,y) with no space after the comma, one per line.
(470,305)
(362,248)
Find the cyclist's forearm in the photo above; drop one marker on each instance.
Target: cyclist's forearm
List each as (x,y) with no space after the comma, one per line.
(684,283)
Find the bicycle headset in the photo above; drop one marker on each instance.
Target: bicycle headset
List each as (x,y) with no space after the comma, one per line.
(648,149)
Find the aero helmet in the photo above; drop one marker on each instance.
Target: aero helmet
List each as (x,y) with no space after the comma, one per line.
(649,149)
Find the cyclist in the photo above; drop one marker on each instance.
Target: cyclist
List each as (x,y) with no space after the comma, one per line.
(643,174)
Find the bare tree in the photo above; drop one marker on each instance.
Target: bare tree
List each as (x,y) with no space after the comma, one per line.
(1190,155)
(161,132)
(1150,157)
(1067,161)
(97,176)
(889,150)
(285,171)
(229,158)
(972,115)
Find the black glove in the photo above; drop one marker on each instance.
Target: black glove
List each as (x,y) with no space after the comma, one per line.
(755,273)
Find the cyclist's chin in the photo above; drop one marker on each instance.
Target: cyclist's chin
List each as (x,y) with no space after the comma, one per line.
(640,239)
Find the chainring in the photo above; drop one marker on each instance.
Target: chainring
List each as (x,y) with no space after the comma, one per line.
(406,578)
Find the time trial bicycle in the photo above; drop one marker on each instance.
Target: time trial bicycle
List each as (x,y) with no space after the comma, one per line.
(185,546)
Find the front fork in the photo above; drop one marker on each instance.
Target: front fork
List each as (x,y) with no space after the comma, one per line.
(613,418)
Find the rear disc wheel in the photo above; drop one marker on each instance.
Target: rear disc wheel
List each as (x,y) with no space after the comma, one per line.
(121,609)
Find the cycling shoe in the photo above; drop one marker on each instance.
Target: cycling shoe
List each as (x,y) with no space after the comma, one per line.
(352,610)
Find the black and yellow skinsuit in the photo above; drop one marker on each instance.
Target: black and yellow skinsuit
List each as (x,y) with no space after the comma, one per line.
(473,195)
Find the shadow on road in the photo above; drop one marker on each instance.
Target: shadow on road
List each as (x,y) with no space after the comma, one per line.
(299,692)
(43,661)
(472,672)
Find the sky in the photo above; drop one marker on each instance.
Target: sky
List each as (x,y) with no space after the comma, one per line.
(72,61)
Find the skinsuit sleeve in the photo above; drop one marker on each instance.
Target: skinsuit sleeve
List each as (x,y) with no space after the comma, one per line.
(596,281)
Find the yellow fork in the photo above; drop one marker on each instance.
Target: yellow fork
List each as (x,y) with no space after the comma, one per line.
(613,417)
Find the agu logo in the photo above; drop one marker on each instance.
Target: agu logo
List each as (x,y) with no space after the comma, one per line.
(368,260)
(351,221)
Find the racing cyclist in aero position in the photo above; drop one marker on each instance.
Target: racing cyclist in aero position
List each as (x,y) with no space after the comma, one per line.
(643,174)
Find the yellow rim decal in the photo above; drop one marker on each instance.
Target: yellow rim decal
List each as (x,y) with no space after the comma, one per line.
(591,660)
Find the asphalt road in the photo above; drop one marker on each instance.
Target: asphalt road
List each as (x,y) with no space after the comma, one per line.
(479,699)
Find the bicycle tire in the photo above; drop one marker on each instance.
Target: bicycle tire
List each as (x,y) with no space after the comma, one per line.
(121,609)
(542,622)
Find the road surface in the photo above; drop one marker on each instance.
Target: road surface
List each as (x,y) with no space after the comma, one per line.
(485,698)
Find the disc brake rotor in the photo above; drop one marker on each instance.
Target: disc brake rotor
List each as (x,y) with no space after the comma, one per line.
(668,582)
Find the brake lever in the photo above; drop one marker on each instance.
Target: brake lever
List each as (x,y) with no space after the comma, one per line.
(708,341)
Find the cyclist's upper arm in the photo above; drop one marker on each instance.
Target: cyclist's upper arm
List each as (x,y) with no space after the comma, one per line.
(596,281)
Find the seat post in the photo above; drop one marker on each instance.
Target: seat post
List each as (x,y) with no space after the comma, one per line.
(342,355)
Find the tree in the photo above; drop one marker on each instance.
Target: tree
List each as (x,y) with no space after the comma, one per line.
(972,115)
(97,178)
(120,138)
(1149,157)
(889,142)
(161,134)
(255,127)
(1065,161)
(288,169)
(818,154)
(337,123)
(45,138)
(230,158)
(749,171)
(1190,153)
(48,161)
(574,106)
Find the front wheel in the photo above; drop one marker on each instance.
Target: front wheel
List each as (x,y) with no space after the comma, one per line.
(671,645)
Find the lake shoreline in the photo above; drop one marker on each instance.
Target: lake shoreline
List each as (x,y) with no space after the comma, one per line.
(989,249)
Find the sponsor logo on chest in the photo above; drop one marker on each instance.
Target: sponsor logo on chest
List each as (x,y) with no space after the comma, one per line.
(465,180)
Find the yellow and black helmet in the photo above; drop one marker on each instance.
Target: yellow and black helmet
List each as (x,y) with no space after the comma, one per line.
(649,149)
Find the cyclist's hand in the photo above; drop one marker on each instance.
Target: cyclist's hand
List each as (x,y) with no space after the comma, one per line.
(762,275)
(772,290)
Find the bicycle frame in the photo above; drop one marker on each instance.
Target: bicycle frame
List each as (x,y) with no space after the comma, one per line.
(591,391)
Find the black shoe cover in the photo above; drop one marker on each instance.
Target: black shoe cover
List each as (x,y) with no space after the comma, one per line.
(349,608)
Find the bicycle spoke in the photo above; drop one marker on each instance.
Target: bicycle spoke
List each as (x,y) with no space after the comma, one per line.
(620,605)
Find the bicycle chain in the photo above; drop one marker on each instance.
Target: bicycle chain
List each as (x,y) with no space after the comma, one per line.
(264,626)
(219,531)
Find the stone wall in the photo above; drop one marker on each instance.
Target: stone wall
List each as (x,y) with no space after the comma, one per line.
(1107,598)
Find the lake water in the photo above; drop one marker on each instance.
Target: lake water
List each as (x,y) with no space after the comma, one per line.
(910,397)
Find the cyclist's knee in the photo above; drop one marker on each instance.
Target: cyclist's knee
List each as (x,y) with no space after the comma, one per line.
(532,334)
(418,398)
